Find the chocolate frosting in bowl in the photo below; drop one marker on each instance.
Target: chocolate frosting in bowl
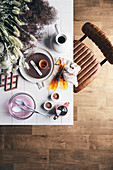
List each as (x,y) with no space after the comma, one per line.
(36,57)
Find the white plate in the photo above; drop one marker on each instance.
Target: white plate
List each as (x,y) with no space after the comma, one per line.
(24,72)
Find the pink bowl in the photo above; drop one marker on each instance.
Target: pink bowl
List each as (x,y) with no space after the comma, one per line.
(28,100)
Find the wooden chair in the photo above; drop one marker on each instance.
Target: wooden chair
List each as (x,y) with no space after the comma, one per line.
(83,56)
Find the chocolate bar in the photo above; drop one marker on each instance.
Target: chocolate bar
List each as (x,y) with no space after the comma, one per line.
(9,82)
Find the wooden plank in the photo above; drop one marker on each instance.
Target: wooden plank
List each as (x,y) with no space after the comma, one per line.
(52,141)
(106,3)
(84,3)
(22,156)
(75,113)
(80,156)
(101,142)
(79,128)
(6,166)
(1,141)
(95,114)
(33,142)
(77,142)
(93,100)
(56,166)
(16,129)
(82,14)
(106,166)
(108,30)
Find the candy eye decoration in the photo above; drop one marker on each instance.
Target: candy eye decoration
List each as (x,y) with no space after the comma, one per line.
(61,110)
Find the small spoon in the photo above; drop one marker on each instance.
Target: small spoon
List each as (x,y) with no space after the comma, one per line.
(21,103)
(56,27)
(19,109)
(35,67)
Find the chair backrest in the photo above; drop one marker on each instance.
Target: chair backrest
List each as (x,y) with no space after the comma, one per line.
(100,39)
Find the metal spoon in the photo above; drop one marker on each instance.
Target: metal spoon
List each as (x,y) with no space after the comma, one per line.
(19,109)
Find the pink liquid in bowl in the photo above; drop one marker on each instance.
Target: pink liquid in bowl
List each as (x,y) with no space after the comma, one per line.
(28,100)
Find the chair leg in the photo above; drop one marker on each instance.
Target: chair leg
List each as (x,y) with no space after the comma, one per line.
(103,61)
(81,39)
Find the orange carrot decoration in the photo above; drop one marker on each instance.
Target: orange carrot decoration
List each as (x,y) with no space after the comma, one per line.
(53,85)
(57,79)
(59,62)
(63,83)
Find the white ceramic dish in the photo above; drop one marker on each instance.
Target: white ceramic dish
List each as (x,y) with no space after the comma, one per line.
(55,99)
(45,107)
(24,72)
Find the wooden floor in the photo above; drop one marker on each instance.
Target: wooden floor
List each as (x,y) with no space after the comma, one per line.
(88,145)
